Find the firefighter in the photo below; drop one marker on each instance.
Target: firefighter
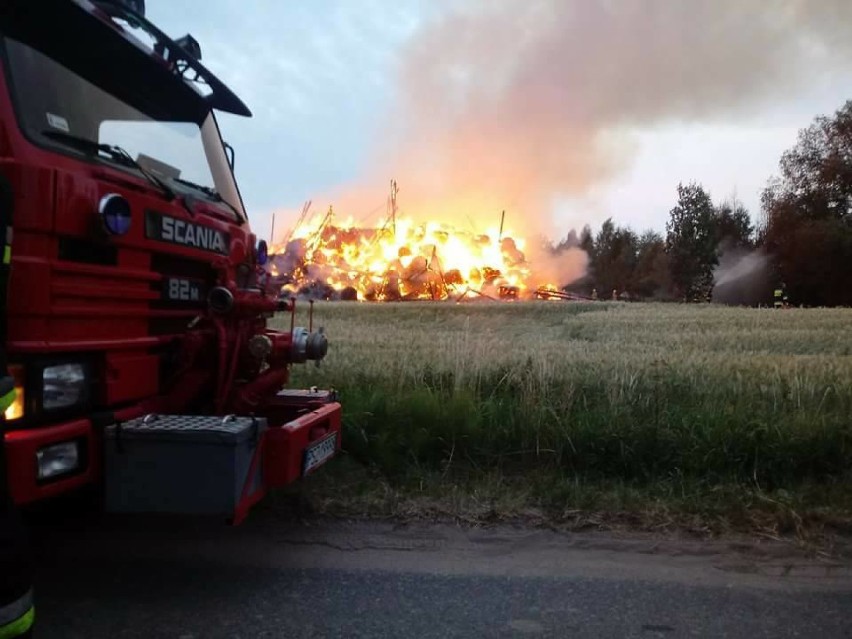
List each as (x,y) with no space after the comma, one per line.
(16,595)
(17,613)
(780,296)
(595,294)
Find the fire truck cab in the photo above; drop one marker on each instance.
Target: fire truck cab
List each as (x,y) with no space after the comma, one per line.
(135,291)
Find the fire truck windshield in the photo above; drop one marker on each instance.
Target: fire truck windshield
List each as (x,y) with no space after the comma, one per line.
(55,106)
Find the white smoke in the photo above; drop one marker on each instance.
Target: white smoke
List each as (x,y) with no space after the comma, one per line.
(743,277)
(515,103)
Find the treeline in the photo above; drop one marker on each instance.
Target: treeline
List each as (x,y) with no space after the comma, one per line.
(678,265)
(802,243)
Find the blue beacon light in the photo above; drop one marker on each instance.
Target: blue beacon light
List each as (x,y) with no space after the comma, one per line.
(262,253)
(115,214)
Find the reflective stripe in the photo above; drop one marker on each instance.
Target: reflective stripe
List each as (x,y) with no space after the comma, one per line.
(15,609)
(7,254)
(19,626)
(7,400)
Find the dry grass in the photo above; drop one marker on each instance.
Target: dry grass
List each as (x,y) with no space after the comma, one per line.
(806,351)
(586,402)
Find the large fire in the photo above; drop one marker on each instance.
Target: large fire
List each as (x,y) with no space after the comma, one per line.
(403,260)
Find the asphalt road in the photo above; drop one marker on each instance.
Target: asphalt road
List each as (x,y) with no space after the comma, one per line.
(275,578)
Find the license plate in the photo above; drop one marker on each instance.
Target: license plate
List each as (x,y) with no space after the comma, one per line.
(319,452)
(178,289)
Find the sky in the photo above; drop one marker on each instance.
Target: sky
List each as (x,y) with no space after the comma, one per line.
(346,93)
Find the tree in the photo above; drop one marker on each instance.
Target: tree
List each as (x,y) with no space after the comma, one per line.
(807,224)
(586,242)
(733,226)
(614,258)
(816,174)
(623,260)
(570,241)
(691,243)
(601,258)
(605,238)
(651,276)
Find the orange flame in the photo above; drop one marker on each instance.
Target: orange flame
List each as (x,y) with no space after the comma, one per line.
(427,260)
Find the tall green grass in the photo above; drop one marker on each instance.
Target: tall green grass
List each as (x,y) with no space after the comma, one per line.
(641,393)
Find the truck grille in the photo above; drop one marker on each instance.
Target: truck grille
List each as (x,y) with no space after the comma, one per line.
(181,292)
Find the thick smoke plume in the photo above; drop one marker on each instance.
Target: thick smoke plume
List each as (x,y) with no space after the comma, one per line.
(513,104)
(557,268)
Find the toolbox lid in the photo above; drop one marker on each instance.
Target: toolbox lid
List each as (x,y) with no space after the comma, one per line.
(195,428)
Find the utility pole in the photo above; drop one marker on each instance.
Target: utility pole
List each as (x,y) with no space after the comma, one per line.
(502,219)
(392,202)
(272,232)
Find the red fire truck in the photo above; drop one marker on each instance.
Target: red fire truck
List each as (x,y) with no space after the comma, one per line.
(137,305)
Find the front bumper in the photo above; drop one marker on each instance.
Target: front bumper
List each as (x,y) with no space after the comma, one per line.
(282,453)
(295,424)
(23,446)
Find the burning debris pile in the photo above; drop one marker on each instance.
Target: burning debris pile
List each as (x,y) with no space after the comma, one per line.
(413,261)
(404,260)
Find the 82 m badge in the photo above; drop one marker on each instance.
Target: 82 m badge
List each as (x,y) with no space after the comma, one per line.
(178,289)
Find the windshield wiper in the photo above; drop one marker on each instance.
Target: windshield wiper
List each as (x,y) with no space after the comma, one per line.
(213,194)
(115,152)
(153,179)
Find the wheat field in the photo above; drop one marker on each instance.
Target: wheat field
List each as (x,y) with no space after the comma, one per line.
(636,392)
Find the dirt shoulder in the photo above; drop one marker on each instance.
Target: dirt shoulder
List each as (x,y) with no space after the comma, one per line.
(520,549)
(348,491)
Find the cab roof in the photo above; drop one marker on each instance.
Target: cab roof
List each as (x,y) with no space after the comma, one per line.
(62,28)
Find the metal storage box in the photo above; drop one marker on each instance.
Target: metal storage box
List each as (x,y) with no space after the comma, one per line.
(181,464)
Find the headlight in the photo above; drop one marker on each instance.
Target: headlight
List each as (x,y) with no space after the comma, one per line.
(16,408)
(63,386)
(58,459)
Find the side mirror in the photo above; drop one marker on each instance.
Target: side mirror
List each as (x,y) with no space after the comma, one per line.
(229,153)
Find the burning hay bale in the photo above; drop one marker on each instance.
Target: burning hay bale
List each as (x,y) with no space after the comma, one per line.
(453,277)
(512,256)
(508,292)
(349,294)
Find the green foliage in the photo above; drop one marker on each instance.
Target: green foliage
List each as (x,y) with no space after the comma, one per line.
(651,277)
(661,426)
(817,173)
(615,258)
(587,241)
(636,267)
(733,226)
(648,267)
(691,242)
(808,213)
(637,393)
